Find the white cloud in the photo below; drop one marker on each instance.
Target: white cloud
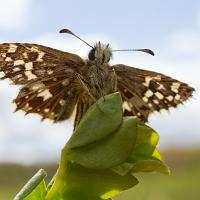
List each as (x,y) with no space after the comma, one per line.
(14,14)
(185,43)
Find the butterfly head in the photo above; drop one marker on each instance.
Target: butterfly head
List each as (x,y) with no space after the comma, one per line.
(100,53)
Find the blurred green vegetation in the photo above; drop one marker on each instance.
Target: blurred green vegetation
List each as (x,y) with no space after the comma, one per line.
(183,183)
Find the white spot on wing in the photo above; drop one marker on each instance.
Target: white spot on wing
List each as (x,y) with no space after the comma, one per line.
(52,115)
(27,107)
(147,81)
(37,86)
(174,90)
(46,94)
(159,95)
(150,105)
(62,102)
(18,62)
(156,101)
(40,56)
(50,72)
(34,48)
(126,106)
(160,87)
(12,48)
(25,55)
(40,53)
(30,75)
(46,110)
(29,66)
(169,98)
(18,76)
(16,69)
(177,97)
(145,99)
(8,59)
(148,93)
(158,78)
(3,55)
(175,86)
(65,82)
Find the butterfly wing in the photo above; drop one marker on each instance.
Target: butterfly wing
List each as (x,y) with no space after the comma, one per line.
(23,62)
(145,91)
(54,97)
(49,78)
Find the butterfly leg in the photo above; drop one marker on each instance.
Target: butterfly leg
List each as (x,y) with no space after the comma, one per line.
(84,86)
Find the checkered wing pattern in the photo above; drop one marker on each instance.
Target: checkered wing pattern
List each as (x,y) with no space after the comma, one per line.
(145,91)
(48,77)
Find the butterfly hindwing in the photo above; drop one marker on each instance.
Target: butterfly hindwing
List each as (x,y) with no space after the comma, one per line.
(53,98)
(145,91)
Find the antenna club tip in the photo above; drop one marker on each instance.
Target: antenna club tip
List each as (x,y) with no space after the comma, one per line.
(149,51)
(65,31)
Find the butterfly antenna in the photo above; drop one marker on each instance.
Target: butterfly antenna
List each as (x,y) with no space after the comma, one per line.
(149,51)
(69,32)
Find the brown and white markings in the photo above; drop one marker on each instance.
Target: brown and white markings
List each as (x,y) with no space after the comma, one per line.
(56,82)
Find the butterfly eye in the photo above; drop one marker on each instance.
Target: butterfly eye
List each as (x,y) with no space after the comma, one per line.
(91,54)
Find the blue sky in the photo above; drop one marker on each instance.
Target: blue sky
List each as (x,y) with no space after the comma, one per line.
(170,28)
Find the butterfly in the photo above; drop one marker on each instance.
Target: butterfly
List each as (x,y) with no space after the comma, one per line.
(55,83)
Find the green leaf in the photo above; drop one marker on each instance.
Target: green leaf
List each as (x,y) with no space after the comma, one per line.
(146,141)
(143,164)
(74,182)
(123,168)
(102,119)
(109,152)
(156,154)
(38,193)
(35,189)
(145,157)
(149,165)
(102,139)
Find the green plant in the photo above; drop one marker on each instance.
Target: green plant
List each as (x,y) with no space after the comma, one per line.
(101,158)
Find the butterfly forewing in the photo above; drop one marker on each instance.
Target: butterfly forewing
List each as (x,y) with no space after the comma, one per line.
(144,91)
(23,62)
(48,75)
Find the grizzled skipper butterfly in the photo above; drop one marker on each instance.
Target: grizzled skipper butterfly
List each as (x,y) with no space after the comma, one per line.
(54,83)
